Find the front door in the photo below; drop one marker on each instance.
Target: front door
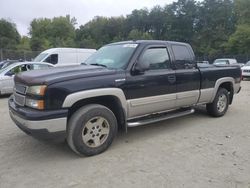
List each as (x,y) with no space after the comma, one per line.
(152,90)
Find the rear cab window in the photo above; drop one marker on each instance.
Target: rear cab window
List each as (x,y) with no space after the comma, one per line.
(183,57)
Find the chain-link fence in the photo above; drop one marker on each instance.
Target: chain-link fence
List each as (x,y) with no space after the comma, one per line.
(25,55)
(22,55)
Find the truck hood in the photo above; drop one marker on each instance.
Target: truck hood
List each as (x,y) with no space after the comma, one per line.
(60,74)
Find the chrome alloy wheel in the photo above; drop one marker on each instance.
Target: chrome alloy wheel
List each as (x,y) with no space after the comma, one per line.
(95,132)
(222,103)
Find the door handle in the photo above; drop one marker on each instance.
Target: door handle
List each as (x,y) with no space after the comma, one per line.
(172,79)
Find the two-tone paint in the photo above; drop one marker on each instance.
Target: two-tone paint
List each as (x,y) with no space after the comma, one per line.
(137,94)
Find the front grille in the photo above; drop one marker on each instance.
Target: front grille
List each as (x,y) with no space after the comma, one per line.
(19,94)
(246,70)
(20,89)
(19,99)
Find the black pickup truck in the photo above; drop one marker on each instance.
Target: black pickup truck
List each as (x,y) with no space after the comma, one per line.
(122,85)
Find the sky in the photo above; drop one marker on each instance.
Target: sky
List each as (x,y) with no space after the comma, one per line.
(22,12)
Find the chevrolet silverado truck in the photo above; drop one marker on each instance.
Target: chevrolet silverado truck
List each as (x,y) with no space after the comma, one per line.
(124,84)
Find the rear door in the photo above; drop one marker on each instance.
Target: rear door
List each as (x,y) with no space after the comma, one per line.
(187,75)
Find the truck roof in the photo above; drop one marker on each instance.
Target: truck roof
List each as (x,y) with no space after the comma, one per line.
(148,42)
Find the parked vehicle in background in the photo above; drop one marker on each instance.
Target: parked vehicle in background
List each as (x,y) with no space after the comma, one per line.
(8,62)
(7,74)
(227,61)
(203,62)
(64,56)
(124,84)
(246,70)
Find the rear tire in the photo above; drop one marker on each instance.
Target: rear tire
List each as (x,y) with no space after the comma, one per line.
(220,104)
(91,129)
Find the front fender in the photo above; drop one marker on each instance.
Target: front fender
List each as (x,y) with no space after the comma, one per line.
(75,97)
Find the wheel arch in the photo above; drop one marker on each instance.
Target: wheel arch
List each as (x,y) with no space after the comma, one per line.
(112,98)
(226,83)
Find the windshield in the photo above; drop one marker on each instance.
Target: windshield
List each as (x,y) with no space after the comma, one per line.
(6,64)
(40,57)
(1,64)
(4,69)
(112,56)
(248,63)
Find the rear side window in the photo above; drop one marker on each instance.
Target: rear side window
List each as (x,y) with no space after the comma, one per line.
(53,59)
(183,58)
(157,58)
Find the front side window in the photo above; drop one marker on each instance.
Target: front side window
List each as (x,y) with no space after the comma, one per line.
(53,59)
(156,58)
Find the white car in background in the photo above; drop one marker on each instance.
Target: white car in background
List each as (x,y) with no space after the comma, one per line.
(7,74)
(246,70)
(227,61)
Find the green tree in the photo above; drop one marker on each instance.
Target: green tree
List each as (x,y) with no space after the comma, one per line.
(239,42)
(157,22)
(138,35)
(242,9)
(138,19)
(100,31)
(57,32)
(24,44)
(215,23)
(9,36)
(181,17)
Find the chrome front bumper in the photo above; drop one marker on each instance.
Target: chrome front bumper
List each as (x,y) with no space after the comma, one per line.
(41,125)
(51,125)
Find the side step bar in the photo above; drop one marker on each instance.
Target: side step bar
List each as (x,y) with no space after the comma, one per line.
(159,117)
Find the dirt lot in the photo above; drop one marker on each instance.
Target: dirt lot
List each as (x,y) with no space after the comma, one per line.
(192,151)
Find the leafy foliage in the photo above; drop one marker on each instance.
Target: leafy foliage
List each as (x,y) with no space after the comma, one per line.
(212,27)
(47,33)
(239,42)
(9,37)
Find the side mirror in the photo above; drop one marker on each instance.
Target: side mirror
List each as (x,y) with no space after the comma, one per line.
(140,67)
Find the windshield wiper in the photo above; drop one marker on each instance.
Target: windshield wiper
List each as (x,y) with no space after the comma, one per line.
(97,64)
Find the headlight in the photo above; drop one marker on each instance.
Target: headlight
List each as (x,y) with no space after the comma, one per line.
(37,104)
(37,90)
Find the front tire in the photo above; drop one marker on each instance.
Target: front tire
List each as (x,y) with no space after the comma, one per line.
(220,104)
(91,129)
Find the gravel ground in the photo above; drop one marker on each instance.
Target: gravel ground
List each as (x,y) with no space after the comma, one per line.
(192,151)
